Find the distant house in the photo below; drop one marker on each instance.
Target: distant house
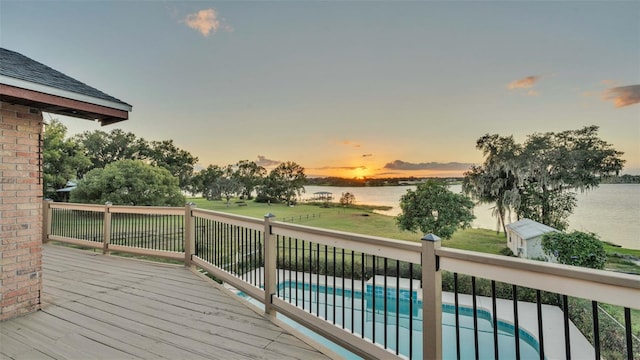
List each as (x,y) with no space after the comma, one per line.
(525,238)
(64,193)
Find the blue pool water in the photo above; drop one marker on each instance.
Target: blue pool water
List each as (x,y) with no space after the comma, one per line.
(353,311)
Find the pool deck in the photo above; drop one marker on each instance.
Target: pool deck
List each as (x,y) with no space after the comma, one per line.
(552,324)
(107,307)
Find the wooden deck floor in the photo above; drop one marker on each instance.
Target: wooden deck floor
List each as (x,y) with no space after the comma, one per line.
(106,307)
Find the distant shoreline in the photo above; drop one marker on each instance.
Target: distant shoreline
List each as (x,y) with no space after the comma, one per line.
(404,181)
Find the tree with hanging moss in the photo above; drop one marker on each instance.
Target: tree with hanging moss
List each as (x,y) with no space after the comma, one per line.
(538,179)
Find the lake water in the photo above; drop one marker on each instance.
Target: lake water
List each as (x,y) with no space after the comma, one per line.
(612,210)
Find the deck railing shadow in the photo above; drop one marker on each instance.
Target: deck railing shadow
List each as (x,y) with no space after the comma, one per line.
(374,296)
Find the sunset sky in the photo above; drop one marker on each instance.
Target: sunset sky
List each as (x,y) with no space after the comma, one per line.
(346,88)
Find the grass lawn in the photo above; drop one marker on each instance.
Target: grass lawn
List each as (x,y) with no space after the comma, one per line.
(361,220)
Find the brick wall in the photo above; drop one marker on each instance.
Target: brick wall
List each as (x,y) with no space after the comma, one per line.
(20,210)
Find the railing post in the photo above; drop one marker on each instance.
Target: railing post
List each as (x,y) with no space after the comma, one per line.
(189,234)
(46,220)
(106,232)
(270,265)
(431,299)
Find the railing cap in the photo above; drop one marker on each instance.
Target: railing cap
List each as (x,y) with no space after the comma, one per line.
(430,237)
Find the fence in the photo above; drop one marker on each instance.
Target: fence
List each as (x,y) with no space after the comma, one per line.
(377,297)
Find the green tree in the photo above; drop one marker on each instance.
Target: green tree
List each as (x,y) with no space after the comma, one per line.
(203,182)
(576,248)
(432,208)
(104,148)
(285,182)
(129,182)
(495,181)
(250,175)
(538,179)
(347,199)
(227,187)
(165,154)
(62,158)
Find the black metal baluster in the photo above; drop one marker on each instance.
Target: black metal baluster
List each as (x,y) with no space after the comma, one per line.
(540,328)
(353,292)
(363,259)
(475,317)
(385,302)
(296,267)
(216,247)
(494,308)
(318,279)
(326,282)
(303,275)
(596,328)
(373,299)
(259,249)
(457,313)
(567,340)
(334,286)
(627,327)
(343,305)
(397,307)
(290,266)
(410,310)
(234,250)
(516,322)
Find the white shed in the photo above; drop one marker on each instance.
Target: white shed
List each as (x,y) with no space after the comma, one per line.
(524,238)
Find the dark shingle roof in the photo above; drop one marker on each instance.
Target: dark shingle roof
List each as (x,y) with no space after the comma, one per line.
(18,66)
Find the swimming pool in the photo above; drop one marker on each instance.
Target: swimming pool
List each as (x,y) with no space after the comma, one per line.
(337,305)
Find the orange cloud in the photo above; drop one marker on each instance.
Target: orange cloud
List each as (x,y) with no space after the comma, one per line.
(264,162)
(524,83)
(351,143)
(205,21)
(623,95)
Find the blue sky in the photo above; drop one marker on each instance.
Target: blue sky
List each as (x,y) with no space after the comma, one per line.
(346,88)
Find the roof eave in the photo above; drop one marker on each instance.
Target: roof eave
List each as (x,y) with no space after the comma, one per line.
(53,101)
(45,89)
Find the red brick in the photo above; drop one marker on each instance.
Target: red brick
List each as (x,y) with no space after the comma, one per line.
(10,187)
(16,134)
(5,166)
(29,206)
(17,147)
(29,180)
(29,193)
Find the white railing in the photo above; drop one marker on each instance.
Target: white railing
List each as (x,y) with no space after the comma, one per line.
(257,257)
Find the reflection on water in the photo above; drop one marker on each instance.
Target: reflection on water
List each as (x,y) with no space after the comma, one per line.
(611,211)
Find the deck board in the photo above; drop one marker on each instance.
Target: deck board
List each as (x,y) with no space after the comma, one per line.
(107,307)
